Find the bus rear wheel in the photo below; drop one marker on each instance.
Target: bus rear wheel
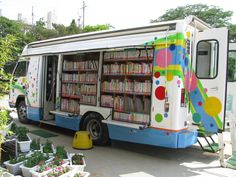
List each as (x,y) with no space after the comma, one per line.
(21,112)
(98,131)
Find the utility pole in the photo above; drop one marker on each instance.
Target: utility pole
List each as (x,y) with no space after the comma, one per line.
(83,8)
(32,15)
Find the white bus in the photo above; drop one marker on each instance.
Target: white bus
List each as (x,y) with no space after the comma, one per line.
(143,85)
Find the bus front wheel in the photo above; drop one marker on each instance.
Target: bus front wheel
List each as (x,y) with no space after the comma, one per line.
(98,130)
(21,112)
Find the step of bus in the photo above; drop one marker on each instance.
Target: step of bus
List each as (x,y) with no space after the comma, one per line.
(231,162)
(207,137)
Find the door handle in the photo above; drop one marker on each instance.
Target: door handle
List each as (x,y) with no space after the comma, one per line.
(215,88)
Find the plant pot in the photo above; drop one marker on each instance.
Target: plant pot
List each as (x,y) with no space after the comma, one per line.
(77,167)
(6,129)
(26,172)
(13,168)
(34,173)
(24,145)
(82,173)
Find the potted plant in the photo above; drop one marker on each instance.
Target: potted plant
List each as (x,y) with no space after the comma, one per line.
(4,173)
(61,152)
(41,170)
(77,161)
(13,165)
(76,173)
(60,172)
(48,147)
(23,139)
(36,158)
(5,122)
(35,145)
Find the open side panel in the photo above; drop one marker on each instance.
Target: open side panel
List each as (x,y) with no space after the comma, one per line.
(208,83)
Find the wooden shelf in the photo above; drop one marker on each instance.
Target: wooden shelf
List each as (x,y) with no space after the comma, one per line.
(124,74)
(79,82)
(71,96)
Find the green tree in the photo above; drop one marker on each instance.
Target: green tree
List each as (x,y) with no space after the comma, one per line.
(7,50)
(212,15)
(73,29)
(89,28)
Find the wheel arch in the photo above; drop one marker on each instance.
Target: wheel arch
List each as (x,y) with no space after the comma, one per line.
(19,99)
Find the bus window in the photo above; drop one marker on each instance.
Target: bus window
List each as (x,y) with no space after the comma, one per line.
(232,66)
(207,58)
(21,69)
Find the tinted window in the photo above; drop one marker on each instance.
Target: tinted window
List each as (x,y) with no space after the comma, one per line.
(21,69)
(232,66)
(207,58)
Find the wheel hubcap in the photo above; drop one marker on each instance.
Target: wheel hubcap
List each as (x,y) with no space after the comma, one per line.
(94,128)
(22,112)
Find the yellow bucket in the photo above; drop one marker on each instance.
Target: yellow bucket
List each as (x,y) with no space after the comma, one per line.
(82,140)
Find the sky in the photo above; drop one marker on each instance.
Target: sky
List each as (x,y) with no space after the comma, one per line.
(118,13)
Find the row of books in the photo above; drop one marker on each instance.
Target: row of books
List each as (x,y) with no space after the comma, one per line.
(74,65)
(74,89)
(142,53)
(127,104)
(70,89)
(129,68)
(131,117)
(127,86)
(68,105)
(85,77)
(88,99)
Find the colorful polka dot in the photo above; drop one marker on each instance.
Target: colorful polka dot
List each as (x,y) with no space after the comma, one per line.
(199,103)
(212,106)
(172,47)
(178,82)
(166,115)
(169,77)
(163,58)
(205,90)
(160,93)
(157,82)
(190,81)
(158,117)
(196,117)
(157,74)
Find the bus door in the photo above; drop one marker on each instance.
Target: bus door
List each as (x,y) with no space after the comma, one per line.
(208,79)
(50,79)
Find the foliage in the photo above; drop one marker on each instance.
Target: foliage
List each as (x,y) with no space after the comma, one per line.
(61,152)
(89,28)
(17,159)
(59,171)
(21,133)
(13,127)
(8,49)
(35,144)
(4,121)
(35,159)
(212,15)
(77,159)
(232,33)
(48,148)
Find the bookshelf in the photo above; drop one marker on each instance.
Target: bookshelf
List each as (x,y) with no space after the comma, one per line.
(79,81)
(126,84)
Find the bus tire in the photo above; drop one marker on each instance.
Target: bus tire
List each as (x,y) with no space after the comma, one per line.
(98,130)
(21,112)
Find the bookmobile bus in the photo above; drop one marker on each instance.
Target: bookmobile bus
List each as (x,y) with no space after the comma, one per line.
(144,85)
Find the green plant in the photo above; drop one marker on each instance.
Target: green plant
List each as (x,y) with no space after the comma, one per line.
(59,171)
(47,148)
(35,159)
(21,133)
(77,159)
(35,144)
(13,127)
(17,159)
(61,152)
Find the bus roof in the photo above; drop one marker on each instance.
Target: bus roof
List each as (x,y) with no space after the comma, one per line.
(105,39)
